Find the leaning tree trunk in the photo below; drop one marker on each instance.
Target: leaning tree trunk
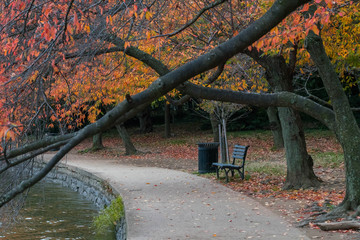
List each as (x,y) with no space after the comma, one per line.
(347,131)
(275,127)
(129,146)
(97,142)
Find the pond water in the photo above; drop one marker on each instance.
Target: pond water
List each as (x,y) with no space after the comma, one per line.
(53,212)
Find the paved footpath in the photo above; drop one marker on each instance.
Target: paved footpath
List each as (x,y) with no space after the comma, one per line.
(167,204)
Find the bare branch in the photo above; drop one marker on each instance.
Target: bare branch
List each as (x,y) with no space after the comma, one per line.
(31,155)
(313,97)
(27,15)
(93,53)
(192,21)
(37,145)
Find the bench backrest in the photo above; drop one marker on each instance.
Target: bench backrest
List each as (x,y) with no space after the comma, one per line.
(240,154)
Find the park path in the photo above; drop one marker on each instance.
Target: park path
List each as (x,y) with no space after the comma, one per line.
(168,204)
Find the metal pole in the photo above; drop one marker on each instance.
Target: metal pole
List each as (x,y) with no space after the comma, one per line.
(226,143)
(221,144)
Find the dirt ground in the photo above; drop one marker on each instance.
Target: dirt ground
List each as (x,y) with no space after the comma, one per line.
(180,153)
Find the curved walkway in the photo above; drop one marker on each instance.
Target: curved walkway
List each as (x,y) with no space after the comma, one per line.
(168,204)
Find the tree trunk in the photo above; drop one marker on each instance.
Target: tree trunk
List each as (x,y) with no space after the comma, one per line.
(129,146)
(275,127)
(97,142)
(347,130)
(214,126)
(300,173)
(146,125)
(167,120)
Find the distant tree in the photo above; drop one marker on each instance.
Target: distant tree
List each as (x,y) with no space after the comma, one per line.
(222,113)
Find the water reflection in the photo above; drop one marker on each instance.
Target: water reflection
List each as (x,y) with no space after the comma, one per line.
(53,212)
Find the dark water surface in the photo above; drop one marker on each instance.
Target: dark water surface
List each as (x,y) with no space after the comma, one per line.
(53,212)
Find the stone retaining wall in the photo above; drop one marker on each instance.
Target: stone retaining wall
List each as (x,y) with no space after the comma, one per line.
(90,186)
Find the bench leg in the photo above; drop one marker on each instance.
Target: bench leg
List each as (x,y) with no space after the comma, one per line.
(217,172)
(227,175)
(241,173)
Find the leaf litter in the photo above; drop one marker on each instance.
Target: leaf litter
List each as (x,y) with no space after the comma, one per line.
(181,153)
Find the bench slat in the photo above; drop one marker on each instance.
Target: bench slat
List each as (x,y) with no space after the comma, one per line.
(239,153)
(239,150)
(240,146)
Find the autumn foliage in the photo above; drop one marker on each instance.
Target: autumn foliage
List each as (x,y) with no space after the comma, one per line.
(65,62)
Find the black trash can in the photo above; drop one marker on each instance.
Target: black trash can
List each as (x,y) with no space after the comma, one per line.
(208,154)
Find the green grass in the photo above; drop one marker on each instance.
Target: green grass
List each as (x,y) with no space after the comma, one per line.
(177,141)
(328,159)
(319,133)
(250,133)
(269,168)
(105,222)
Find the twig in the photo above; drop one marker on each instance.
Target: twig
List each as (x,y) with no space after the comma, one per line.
(192,21)
(27,15)
(66,19)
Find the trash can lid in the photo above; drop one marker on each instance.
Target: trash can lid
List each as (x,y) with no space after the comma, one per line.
(211,144)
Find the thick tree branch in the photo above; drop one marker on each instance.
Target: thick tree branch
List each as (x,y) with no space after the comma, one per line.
(90,53)
(210,80)
(280,99)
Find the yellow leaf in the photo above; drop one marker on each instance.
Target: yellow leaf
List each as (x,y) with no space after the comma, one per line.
(87,28)
(148,15)
(260,44)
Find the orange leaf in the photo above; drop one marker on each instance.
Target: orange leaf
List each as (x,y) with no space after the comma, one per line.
(126,45)
(305,8)
(315,29)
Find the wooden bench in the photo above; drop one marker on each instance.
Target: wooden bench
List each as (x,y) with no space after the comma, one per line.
(238,163)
